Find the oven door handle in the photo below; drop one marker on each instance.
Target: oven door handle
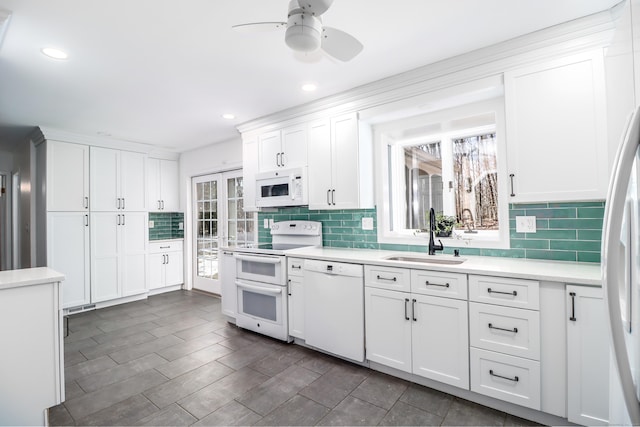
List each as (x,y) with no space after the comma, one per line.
(259,289)
(262,259)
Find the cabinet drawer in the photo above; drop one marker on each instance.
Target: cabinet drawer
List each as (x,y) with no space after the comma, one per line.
(451,285)
(163,247)
(505,291)
(398,279)
(509,378)
(294,266)
(504,329)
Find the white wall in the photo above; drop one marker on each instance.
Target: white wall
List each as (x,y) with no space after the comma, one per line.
(213,158)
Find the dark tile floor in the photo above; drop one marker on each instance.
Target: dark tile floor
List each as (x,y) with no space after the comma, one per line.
(173,360)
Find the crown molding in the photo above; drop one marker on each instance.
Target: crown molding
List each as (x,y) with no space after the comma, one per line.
(52,134)
(590,32)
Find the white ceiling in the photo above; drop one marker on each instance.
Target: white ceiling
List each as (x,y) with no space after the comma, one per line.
(162,72)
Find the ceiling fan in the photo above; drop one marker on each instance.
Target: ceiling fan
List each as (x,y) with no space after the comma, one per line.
(305,32)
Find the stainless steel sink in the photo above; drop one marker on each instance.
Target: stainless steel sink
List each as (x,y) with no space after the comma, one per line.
(435,259)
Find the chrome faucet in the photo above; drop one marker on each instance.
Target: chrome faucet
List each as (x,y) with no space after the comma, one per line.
(433,247)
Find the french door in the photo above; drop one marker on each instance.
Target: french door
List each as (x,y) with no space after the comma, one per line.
(219,220)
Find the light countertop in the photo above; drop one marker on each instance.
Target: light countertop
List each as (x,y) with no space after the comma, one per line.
(551,271)
(28,276)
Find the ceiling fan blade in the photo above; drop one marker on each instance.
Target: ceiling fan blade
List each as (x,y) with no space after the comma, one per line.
(315,7)
(339,44)
(259,27)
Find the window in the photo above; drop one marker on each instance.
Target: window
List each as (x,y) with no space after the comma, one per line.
(452,161)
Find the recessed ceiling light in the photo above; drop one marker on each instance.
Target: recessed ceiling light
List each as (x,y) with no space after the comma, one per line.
(228,116)
(54,53)
(309,87)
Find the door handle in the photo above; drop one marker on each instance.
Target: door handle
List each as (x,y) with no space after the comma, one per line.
(86,220)
(167,255)
(162,204)
(413,310)
(122,219)
(328,195)
(117,202)
(511,179)
(289,287)
(282,159)
(406,303)
(118,219)
(86,202)
(333,197)
(573,306)
(123,199)
(278,160)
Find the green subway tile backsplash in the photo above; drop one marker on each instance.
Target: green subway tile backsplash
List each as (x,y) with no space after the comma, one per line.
(565,231)
(166,225)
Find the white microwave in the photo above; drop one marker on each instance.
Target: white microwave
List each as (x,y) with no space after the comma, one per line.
(282,188)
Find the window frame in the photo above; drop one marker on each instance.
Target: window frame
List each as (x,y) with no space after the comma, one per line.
(387,133)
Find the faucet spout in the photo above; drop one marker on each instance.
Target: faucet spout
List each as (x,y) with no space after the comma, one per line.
(433,247)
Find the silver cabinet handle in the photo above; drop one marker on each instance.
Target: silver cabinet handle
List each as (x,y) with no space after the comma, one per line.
(333,197)
(511,178)
(122,219)
(282,159)
(167,255)
(573,306)
(117,202)
(514,330)
(162,204)
(86,220)
(514,379)
(490,291)
(391,279)
(86,202)
(427,283)
(406,303)
(123,199)
(158,204)
(278,160)
(328,195)
(413,310)
(289,287)
(118,219)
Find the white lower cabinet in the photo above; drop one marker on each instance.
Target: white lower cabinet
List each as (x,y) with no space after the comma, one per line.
(118,255)
(295,300)
(165,264)
(68,253)
(421,334)
(587,356)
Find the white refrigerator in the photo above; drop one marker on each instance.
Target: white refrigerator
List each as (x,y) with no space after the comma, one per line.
(621,277)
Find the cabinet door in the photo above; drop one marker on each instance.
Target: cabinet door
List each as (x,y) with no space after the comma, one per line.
(296,307)
(156,270)
(133,252)
(133,178)
(104,173)
(388,327)
(556,130)
(320,166)
(228,283)
(105,266)
(174,269)
(270,149)
(68,253)
(344,160)
(440,337)
(169,191)
(67,176)
(294,147)
(587,356)
(154,198)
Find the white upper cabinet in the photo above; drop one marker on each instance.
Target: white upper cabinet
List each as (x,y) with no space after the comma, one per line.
(67,177)
(340,169)
(286,148)
(163,185)
(118,180)
(556,130)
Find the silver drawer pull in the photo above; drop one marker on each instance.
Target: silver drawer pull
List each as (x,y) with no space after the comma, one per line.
(514,293)
(514,330)
(392,279)
(297,267)
(514,379)
(446,285)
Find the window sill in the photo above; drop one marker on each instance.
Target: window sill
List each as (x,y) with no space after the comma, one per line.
(459,239)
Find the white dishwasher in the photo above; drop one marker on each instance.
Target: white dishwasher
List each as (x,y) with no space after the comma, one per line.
(334,307)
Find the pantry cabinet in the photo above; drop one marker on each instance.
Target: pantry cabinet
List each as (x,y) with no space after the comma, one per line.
(340,174)
(556,130)
(67,187)
(410,330)
(587,356)
(118,180)
(283,149)
(163,185)
(118,254)
(165,264)
(68,252)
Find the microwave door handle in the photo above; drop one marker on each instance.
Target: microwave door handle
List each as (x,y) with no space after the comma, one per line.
(259,289)
(292,189)
(262,259)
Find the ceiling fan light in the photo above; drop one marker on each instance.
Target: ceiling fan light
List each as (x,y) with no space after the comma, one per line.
(303,33)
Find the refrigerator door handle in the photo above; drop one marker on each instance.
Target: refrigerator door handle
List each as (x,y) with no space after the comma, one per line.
(611,254)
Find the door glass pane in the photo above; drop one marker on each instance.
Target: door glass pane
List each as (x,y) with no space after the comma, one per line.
(207,245)
(240,226)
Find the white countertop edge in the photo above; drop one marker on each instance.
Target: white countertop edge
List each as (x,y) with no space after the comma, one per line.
(29,276)
(551,271)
